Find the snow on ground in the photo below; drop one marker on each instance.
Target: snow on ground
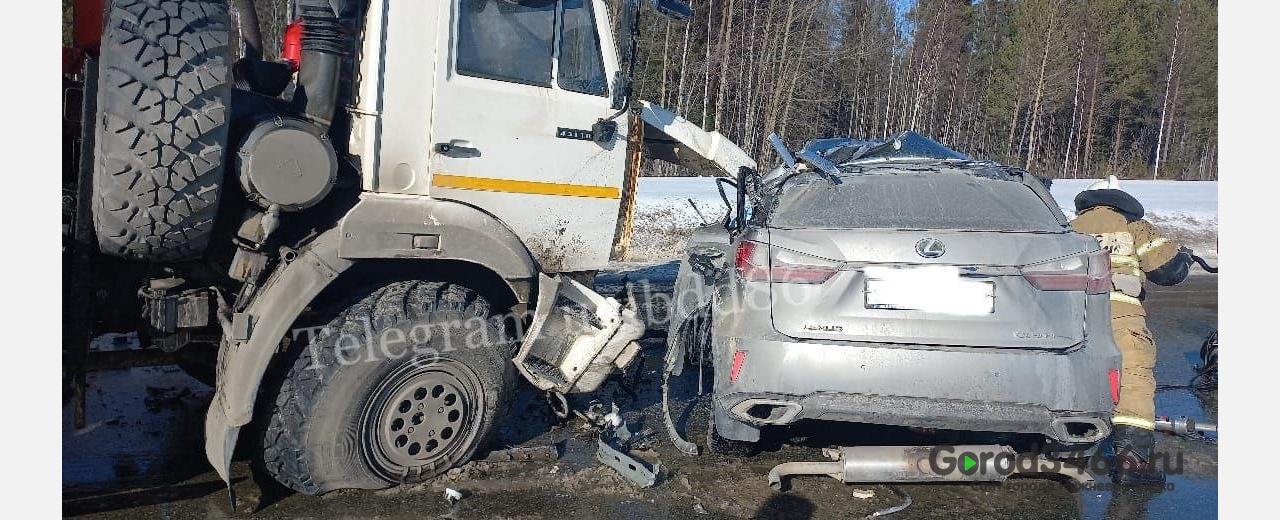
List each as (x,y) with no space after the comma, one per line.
(1185,211)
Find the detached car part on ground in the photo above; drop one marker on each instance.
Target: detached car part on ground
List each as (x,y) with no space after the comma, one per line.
(898,283)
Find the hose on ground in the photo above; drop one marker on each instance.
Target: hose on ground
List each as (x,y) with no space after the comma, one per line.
(906,502)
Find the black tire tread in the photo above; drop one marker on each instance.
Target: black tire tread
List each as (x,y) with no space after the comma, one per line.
(161,131)
(283,455)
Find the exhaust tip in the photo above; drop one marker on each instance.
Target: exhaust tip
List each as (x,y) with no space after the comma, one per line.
(766,411)
(1080,429)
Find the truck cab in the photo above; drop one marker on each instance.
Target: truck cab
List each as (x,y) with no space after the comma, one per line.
(491,104)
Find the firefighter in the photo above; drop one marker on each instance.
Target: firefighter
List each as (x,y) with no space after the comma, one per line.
(1137,251)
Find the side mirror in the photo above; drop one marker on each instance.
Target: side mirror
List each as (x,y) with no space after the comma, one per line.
(674,9)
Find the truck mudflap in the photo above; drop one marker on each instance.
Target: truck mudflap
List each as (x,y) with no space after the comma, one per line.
(577,337)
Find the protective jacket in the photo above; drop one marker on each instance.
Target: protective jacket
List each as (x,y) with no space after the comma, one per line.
(1137,250)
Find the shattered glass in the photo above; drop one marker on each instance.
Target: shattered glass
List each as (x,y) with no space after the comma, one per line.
(914,195)
(907,145)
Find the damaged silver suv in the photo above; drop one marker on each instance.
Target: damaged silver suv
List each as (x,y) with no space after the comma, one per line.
(898,283)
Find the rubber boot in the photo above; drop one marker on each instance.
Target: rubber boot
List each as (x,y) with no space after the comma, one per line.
(1133,447)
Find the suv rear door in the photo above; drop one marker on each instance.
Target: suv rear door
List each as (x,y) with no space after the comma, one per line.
(890,284)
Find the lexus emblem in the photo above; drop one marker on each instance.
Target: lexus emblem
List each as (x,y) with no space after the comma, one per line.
(930,248)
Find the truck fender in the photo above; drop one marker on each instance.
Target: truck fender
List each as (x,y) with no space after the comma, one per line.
(253,339)
(377,227)
(409,226)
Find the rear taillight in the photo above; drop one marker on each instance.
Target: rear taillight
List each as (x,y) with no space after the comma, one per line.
(755,263)
(1090,272)
(752,261)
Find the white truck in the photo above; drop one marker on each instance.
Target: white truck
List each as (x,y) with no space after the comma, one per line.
(374,235)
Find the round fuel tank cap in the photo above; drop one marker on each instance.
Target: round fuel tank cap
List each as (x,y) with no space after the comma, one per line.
(287,161)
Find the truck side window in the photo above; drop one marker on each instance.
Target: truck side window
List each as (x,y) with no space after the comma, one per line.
(506,41)
(581,67)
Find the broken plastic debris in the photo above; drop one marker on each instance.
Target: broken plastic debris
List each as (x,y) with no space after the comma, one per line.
(452,496)
(862,493)
(614,418)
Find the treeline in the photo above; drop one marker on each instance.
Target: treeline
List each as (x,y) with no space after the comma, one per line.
(1064,88)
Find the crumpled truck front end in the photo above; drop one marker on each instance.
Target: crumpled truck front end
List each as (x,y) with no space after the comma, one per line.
(577,337)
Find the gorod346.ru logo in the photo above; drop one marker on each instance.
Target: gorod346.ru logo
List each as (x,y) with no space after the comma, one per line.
(944,460)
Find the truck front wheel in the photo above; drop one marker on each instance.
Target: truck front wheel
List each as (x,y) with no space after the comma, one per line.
(398,388)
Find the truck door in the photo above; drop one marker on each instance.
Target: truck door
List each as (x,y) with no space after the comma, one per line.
(517,88)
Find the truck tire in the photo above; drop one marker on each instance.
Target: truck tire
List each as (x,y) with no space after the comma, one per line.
(161,127)
(398,388)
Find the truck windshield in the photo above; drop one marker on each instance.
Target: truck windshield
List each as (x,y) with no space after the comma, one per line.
(913,196)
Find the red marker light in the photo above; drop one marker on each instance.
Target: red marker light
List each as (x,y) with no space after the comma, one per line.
(1114,376)
(291,51)
(739,357)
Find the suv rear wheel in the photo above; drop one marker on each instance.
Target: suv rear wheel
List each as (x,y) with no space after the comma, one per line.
(398,388)
(161,127)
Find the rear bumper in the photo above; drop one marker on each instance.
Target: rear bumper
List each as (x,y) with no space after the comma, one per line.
(1066,427)
(1064,396)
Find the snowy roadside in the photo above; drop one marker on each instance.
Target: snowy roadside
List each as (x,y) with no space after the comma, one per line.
(1184,211)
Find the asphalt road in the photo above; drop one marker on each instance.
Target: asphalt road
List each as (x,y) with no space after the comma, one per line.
(140,456)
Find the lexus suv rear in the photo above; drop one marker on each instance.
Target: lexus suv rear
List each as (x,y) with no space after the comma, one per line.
(901,283)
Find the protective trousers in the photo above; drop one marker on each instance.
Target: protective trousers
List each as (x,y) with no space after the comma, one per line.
(1137,373)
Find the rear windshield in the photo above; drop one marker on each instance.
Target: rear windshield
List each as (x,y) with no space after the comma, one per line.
(913,200)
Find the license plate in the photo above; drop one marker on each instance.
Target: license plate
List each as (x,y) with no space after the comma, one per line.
(936,289)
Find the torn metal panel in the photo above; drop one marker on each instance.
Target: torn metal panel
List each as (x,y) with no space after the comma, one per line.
(674,139)
(577,337)
(611,449)
(627,465)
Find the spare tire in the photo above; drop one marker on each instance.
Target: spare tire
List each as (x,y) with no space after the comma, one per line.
(161,130)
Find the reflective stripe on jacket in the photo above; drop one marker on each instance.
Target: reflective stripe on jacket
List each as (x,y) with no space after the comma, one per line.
(1135,249)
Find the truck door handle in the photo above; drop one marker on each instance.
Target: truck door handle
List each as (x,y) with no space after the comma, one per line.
(457,149)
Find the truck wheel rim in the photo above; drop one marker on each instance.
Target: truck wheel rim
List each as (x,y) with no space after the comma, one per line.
(423,416)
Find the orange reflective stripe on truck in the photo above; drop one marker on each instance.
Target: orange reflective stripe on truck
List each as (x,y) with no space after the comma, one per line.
(463,182)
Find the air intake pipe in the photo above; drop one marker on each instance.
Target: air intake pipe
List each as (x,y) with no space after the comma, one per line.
(250,29)
(323,45)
